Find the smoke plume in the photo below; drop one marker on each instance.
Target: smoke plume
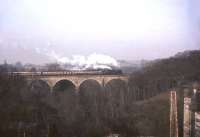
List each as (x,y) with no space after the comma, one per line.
(79,62)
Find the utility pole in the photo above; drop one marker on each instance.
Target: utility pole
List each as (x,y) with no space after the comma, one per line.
(196,114)
(173,115)
(187,114)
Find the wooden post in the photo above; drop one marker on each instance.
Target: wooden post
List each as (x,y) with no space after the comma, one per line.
(173,115)
(187,116)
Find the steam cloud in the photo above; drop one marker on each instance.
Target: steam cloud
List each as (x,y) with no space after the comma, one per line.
(79,62)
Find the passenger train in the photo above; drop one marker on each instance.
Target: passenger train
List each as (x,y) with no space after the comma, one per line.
(71,72)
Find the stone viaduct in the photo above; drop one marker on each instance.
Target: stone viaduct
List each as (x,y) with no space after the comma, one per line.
(75,79)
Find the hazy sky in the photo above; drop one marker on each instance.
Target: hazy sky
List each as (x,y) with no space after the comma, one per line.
(123,29)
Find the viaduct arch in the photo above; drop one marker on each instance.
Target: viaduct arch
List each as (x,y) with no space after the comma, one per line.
(75,80)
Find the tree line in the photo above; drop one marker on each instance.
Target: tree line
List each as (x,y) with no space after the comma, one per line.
(31,110)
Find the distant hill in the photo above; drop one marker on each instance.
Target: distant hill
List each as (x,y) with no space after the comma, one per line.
(181,64)
(161,75)
(184,65)
(128,66)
